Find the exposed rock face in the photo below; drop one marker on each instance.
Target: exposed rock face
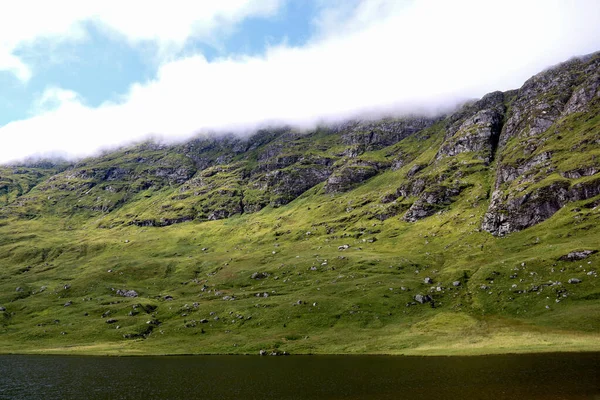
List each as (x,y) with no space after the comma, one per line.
(431,201)
(527,160)
(351,174)
(373,135)
(476,129)
(513,213)
(287,184)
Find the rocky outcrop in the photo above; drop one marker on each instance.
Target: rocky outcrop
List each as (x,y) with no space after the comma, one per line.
(352,174)
(127,293)
(544,97)
(432,200)
(475,129)
(287,184)
(509,213)
(364,136)
(578,255)
(525,159)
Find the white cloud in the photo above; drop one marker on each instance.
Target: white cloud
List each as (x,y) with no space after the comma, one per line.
(167,24)
(12,63)
(54,98)
(419,55)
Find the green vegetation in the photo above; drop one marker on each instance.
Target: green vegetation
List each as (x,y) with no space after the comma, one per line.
(300,242)
(351,300)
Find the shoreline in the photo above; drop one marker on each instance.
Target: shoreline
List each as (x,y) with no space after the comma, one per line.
(57,352)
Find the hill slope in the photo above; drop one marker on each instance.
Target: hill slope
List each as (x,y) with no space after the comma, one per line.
(472,232)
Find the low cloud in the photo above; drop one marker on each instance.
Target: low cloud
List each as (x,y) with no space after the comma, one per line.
(375,57)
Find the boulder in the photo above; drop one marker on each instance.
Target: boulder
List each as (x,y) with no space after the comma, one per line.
(259,275)
(127,293)
(423,298)
(578,255)
(574,280)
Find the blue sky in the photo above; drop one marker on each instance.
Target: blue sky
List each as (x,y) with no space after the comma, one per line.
(101,68)
(77,77)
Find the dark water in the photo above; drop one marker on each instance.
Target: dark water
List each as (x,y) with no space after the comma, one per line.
(549,376)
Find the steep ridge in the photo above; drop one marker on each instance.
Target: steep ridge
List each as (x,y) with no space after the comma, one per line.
(549,147)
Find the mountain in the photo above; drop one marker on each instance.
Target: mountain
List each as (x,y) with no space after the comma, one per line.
(471,232)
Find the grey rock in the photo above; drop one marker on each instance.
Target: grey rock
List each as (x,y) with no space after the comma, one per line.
(351,174)
(574,280)
(127,293)
(511,213)
(414,169)
(475,129)
(259,275)
(578,255)
(419,298)
(537,105)
(456,283)
(428,281)
(431,200)
(372,135)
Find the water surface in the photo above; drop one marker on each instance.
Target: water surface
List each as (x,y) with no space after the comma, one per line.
(545,376)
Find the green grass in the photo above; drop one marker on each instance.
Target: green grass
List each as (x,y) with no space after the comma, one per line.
(360,306)
(78,236)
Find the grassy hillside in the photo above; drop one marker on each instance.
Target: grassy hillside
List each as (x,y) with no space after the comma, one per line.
(362,238)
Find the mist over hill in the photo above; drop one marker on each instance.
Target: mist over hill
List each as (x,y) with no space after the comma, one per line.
(466,232)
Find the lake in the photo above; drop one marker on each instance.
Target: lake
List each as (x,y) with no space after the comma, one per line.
(541,376)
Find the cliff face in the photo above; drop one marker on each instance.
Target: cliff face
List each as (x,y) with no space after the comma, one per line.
(548,154)
(537,146)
